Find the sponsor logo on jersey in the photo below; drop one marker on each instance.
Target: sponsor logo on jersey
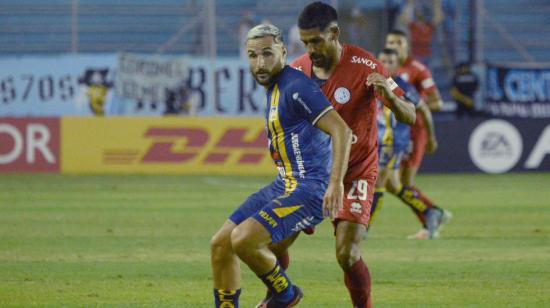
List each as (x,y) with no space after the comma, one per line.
(273,113)
(268,218)
(303,224)
(365,61)
(298,155)
(342,95)
(356,208)
(297,98)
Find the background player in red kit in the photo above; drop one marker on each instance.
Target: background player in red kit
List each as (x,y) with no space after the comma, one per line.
(350,78)
(418,75)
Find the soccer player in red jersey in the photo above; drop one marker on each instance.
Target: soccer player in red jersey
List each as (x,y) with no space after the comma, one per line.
(418,75)
(351,78)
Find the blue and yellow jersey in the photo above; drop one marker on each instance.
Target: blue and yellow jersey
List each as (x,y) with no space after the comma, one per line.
(390,131)
(300,151)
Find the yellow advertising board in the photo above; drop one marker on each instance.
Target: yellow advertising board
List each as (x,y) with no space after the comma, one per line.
(170,145)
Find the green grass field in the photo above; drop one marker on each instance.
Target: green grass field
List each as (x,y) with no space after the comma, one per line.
(144,241)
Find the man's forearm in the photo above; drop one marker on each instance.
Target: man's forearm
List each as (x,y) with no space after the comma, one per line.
(428,120)
(461,98)
(434,101)
(404,111)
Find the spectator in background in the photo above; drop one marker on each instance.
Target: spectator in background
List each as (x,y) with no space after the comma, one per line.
(465,85)
(394,8)
(357,30)
(421,27)
(246,23)
(180,101)
(294,47)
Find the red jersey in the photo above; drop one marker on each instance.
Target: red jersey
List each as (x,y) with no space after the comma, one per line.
(418,75)
(421,38)
(356,103)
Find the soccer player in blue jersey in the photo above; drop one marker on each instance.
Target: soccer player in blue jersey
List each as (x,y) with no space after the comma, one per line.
(394,142)
(310,145)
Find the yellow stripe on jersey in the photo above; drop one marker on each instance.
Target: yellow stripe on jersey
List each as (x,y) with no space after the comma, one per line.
(387,139)
(278,140)
(285,211)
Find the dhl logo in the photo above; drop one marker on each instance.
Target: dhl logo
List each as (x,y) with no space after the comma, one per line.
(176,145)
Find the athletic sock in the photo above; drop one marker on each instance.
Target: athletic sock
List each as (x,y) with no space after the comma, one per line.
(412,200)
(279,284)
(284,262)
(377,203)
(424,199)
(227,298)
(357,280)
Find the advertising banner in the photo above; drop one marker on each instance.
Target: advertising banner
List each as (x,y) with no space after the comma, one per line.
(491,146)
(29,145)
(518,91)
(127,85)
(169,145)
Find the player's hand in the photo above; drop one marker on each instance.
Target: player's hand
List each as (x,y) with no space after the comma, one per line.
(380,84)
(431,146)
(333,199)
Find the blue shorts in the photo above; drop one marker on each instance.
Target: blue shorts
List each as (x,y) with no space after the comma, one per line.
(390,156)
(283,215)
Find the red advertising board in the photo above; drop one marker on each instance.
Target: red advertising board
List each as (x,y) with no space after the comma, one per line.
(29,145)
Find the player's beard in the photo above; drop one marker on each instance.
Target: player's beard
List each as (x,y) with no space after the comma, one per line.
(318,60)
(265,77)
(322,61)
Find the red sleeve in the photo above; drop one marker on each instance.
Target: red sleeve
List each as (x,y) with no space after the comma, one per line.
(296,63)
(425,82)
(302,64)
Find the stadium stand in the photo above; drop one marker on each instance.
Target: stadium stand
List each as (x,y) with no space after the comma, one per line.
(512,29)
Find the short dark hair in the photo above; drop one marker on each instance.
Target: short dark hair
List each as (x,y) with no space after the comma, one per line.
(389,52)
(398,32)
(317,15)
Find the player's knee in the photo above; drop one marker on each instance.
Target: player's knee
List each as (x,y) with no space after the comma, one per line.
(220,244)
(239,241)
(347,256)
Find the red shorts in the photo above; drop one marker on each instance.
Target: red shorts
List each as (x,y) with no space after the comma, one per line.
(357,201)
(419,139)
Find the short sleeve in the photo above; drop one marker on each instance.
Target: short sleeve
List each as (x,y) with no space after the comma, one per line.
(309,101)
(426,82)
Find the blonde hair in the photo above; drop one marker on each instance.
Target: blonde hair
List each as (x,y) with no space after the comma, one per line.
(264,30)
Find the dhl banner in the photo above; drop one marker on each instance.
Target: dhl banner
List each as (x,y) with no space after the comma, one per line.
(169,145)
(238,146)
